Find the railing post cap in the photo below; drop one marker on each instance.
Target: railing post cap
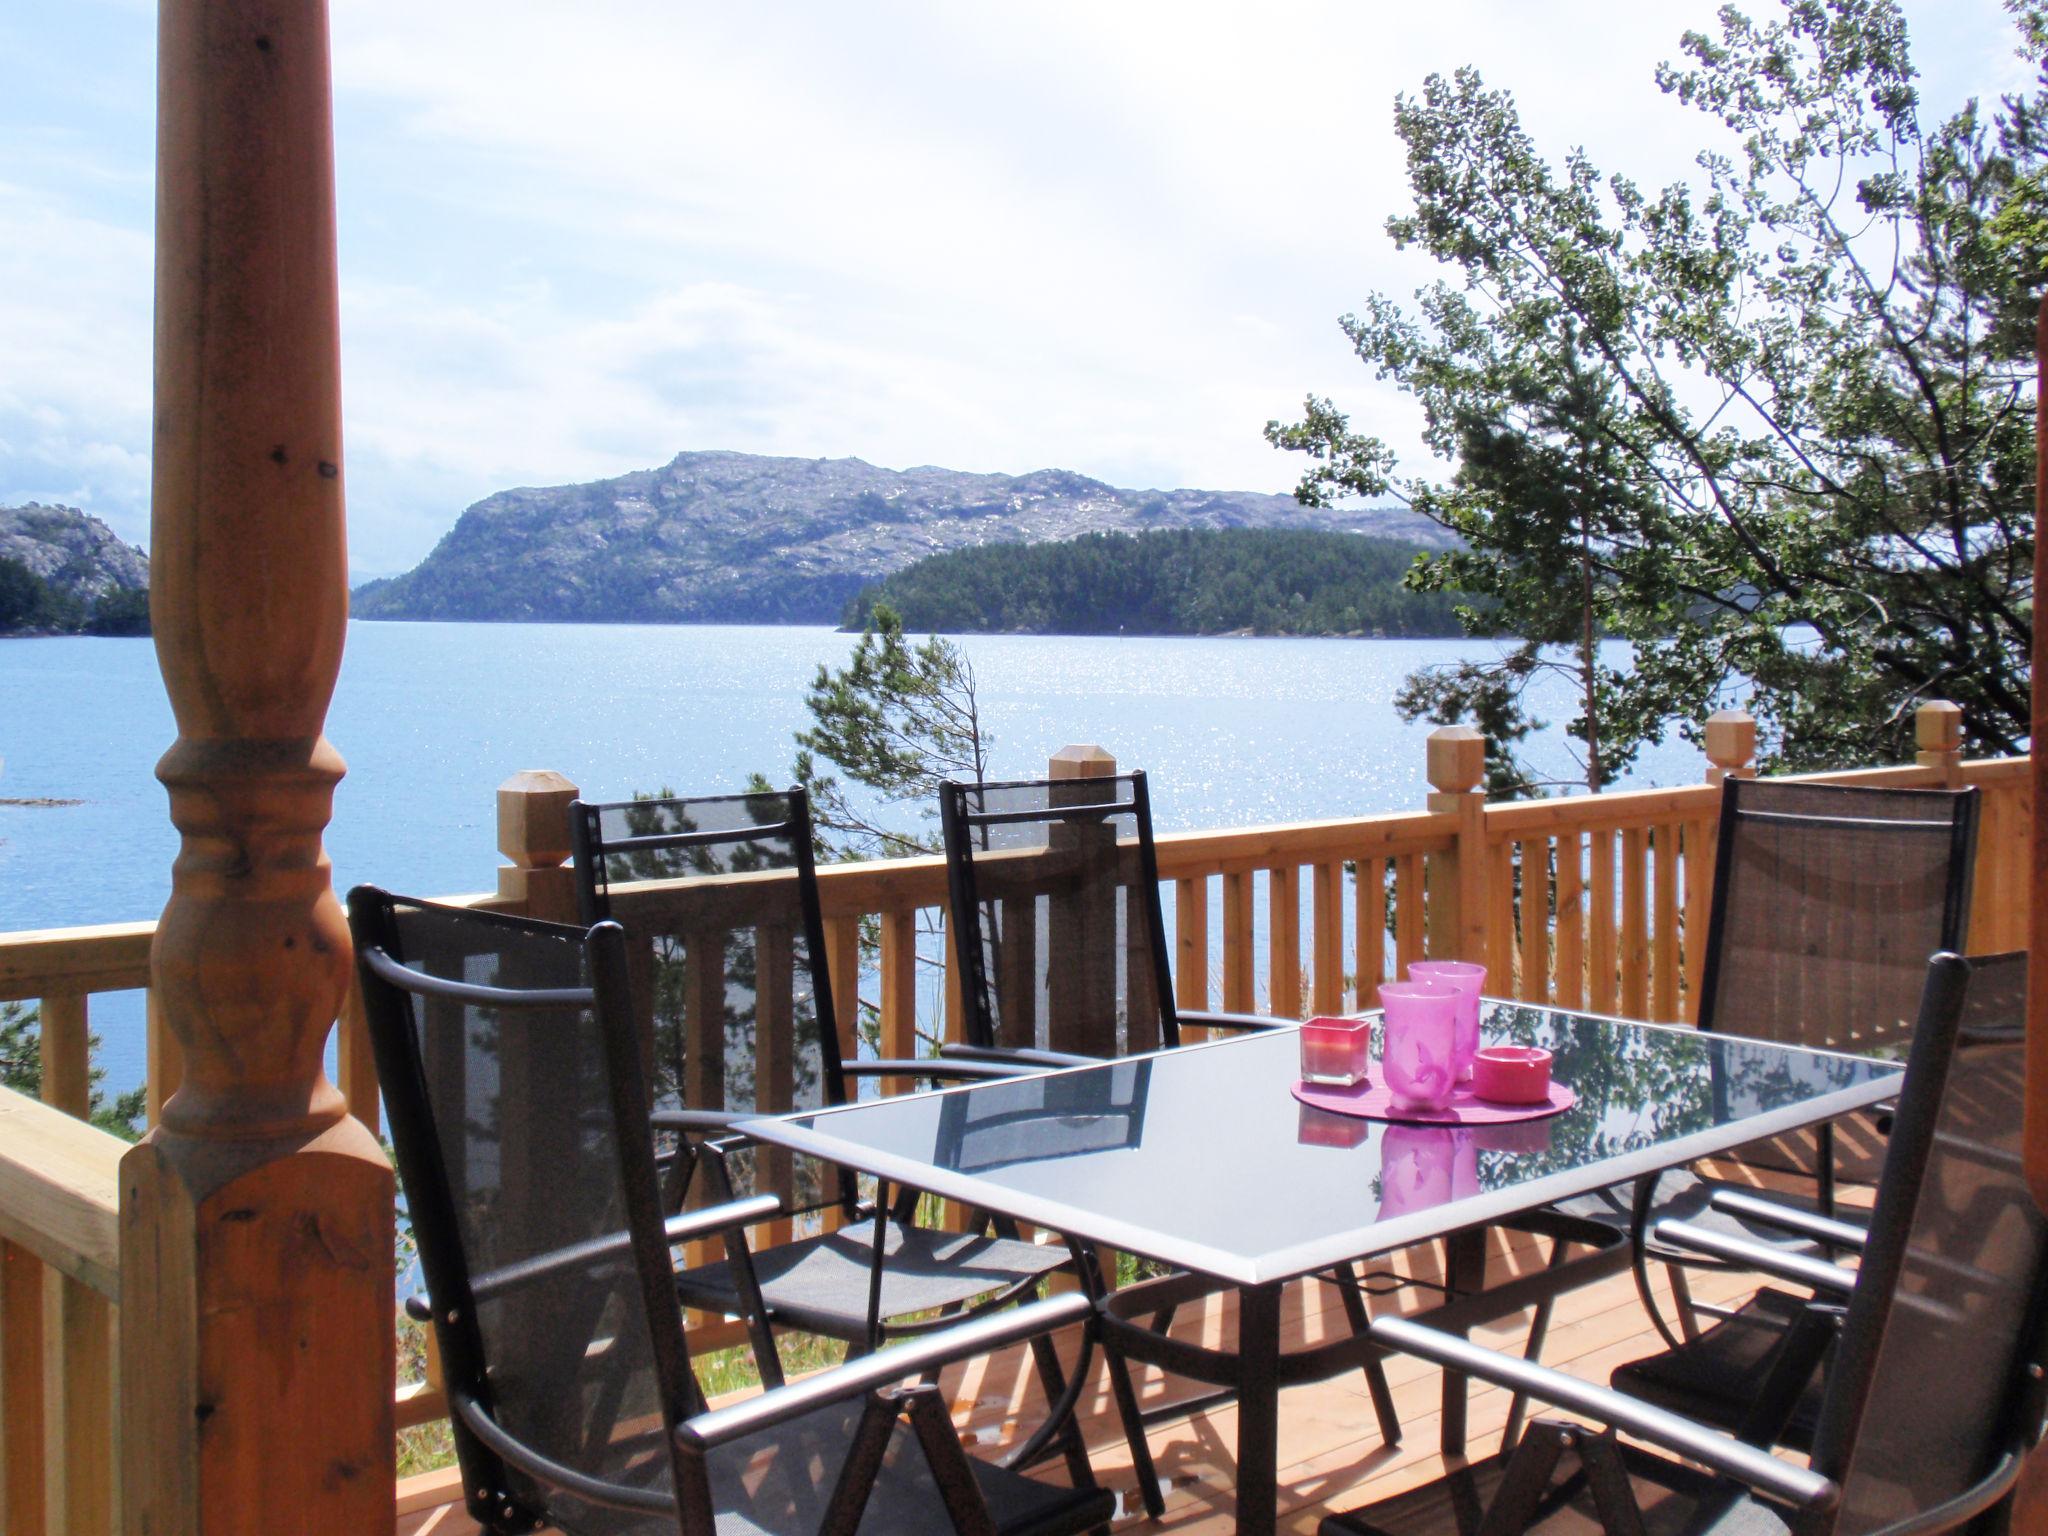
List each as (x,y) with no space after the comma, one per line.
(1730,737)
(1456,759)
(533,818)
(1938,726)
(1085,761)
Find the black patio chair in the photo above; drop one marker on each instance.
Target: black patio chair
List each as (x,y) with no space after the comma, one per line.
(730,968)
(1934,1396)
(1828,900)
(518,1104)
(1053,889)
(1980,1083)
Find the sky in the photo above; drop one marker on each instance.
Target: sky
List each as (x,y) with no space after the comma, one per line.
(575,241)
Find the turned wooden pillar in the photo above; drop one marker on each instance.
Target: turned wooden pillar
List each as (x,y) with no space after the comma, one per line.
(1731,745)
(1457,886)
(256,1219)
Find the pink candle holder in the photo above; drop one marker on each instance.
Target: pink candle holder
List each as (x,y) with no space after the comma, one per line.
(1512,1074)
(1336,1053)
(1419,1038)
(1319,1128)
(1467,979)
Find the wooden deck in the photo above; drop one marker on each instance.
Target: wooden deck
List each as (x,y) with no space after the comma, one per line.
(1330,1452)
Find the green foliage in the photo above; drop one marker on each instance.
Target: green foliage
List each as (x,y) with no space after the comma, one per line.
(28,602)
(1772,425)
(897,720)
(21,1068)
(1168,582)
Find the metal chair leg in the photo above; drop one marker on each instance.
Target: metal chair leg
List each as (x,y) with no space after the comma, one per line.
(1539,1330)
(1360,1318)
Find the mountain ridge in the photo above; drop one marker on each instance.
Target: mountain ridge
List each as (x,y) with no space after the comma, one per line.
(718,536)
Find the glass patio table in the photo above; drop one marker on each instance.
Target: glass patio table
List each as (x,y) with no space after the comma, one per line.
(1201,1158)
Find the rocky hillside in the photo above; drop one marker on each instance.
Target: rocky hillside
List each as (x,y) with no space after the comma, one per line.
(737,537)
(71,551)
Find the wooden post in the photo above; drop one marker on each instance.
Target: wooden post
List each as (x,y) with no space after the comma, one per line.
(256,1218)
(2031,1501)
(2037,905)
(1082,933)
(1731,745)
(1458,885)
(1938,736)
(533,832)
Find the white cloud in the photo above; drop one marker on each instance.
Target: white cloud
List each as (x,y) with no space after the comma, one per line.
(1112,238)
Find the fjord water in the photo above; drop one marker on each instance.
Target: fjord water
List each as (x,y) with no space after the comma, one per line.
(433,717)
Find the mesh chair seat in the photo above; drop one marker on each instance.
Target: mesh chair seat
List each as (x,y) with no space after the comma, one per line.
(778,1484)
(1711,1379)
(820,1284)
(1669,1495)
(1681,1196)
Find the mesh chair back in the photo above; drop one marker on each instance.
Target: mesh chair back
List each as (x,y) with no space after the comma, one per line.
(493,1059)
(1828,901)
(1055,905)
(729,980)
(1930,1379)
(1044,1116)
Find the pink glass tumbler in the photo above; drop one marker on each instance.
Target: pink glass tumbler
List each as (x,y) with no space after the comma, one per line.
(1423,1166)
(1468,980)
(1417,1043)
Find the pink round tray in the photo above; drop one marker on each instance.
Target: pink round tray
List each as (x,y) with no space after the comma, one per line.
(1375,1101)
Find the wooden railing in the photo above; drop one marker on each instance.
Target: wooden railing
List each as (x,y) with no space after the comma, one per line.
(1596,901)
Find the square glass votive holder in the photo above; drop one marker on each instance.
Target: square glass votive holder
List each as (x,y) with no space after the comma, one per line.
(1336,1052)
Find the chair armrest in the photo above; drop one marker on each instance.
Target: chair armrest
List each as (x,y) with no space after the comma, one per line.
(709,1222)
(1681,1436)
(1795,1268)
(708,1122)
(545,1469)
(1022,1058)
(937,1069)
(1204,1019)
(1768,1213)
(998,1330)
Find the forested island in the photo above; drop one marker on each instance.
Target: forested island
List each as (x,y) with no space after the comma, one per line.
(64,572)
(1220,581)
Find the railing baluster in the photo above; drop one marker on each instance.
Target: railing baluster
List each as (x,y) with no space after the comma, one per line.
(1699,895)
(1369,924)
(1664,925)
(1326,944)
(166,1059)
(1238,982)
(775,1060)
(22,1430)
(354,1060)
(1283,942)
(899,986)
(842,961)
(81,1431)
(1569,988)
(1500,923)
(1191,943)
(1600,922)
(1635,939)
(1535,920)
(66,1070)
(1408,911)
